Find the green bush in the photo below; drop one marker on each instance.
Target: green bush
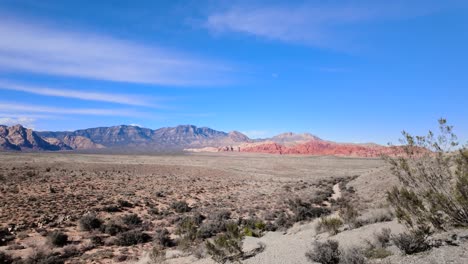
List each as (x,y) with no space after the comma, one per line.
(434,180)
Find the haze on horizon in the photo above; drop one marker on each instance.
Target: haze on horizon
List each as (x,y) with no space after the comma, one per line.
(348,71)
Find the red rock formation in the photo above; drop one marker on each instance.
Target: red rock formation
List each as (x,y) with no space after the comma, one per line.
(325,148)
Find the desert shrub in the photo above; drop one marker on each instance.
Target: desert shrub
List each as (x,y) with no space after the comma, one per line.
(57,238)
(97,241)
(163,239)
(383,238)
(324,252)
(156,255)
(111,209)
(305,211)
(181,207)
(377,216)
(5,258)
(71,251)
(329,224)
(434,180)
(220,215)
(132,220)
(352,255)
(414,241)
(211,228)
(227,246)
(125,203)
(42,257)
(112,228)
(132,237)
(89,222)
(348,212)
(187,229)
(253,227)
(283,221)
(377,253)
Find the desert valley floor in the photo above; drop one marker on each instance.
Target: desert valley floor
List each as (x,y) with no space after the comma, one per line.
(52,191)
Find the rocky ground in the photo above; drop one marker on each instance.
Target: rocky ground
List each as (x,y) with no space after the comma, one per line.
(142,195)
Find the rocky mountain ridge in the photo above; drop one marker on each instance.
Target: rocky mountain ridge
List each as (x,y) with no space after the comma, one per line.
(188,137)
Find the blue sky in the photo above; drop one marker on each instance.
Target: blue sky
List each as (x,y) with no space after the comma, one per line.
(349,71)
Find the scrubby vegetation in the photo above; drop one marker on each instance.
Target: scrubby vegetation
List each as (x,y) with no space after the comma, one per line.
(434,180)
(329,224)
(132,237)
(434,187)
(329,252)
(227,246)
(414,241)
(90,222)
(57,238)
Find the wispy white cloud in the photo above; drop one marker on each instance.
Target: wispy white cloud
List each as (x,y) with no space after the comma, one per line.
(23,120)
(318,24)
(22,108)
(30,47)
(126,99)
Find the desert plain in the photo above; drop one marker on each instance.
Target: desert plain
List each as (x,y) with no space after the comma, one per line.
(45,192)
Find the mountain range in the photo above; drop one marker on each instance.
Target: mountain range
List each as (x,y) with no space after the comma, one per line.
(183,137)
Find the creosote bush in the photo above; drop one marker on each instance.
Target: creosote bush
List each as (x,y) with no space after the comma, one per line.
(227,246)
(434,180)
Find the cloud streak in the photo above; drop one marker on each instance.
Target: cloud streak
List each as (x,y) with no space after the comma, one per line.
(25,108)
(28,47)
(125,99)
(312,24)
(24,120)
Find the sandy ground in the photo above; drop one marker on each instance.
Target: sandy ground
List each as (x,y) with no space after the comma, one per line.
(53,190)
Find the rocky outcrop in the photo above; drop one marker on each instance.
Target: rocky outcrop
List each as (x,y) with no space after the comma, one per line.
(290,138)
(319,147)
(79,142)
(19,138)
